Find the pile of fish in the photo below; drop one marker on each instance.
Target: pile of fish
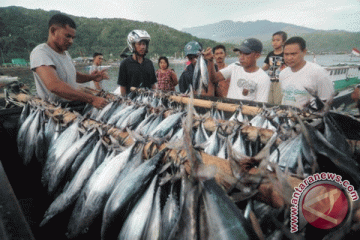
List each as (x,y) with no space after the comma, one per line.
(142,195)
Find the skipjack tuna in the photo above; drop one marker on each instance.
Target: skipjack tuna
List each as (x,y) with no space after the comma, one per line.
(142,165)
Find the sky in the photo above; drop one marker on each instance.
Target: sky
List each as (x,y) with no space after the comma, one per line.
(179,14)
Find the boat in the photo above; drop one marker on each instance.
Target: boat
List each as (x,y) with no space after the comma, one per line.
(344,77)
(105,67)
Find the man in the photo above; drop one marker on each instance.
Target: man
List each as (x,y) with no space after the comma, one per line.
(136,70)
(221,88)
(247,80)
(191,50)
(97,60)
(54,72)
(302,77)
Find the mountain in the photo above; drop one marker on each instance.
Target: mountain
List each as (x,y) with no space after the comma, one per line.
(230,31)
(317,40)
(22,29)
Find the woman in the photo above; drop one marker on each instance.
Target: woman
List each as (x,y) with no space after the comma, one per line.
(166,78)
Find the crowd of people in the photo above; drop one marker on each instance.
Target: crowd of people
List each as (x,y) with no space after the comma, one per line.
(285,78)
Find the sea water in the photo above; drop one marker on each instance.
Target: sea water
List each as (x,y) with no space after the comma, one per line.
(111,84)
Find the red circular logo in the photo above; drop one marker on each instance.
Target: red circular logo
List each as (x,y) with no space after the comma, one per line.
(325,206)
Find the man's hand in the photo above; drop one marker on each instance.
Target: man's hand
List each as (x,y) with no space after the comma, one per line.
(208,55)
(99,102)
(355,95)
(100,75)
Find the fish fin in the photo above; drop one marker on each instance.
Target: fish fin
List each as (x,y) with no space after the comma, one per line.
(265,151)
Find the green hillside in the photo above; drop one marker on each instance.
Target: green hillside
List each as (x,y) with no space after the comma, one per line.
(22,29)
(327,41)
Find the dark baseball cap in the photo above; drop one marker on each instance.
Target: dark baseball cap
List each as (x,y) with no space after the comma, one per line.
(250,45)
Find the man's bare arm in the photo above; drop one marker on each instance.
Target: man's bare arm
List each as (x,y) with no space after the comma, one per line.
(96,76)
(58,87)
(123,91)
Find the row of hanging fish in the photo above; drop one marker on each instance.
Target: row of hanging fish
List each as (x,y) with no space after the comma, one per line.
(98,176)
(81,169)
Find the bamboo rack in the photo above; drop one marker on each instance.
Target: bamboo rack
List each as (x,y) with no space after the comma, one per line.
(227,107)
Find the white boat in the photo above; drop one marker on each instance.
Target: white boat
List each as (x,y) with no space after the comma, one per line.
(344,77)
(105,67)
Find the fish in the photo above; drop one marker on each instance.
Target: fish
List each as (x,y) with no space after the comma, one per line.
(315,104)
(223,152)
(196,77)
(125,110)
(217,115)
(154,102)
(24,114)
(135,224)
(200,135)
(334,134)
(157,120)
(166,125)
(106,112)
(344,165)
(31,137)
(71,193)
(153,227)
(83,154)
(225,220)
(186,226)
(50,129)
(239,144)
(204,74)
(258,120)
(238,116)
(127,190)
(59,170)
(96,192)
(288,153)
(213,144)
(22,133)
(148,119)
(133,119)
(177,136)
(170,214)
(41,146)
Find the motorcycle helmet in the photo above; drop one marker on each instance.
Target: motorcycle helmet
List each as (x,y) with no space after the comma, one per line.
(137,36)
(192,48)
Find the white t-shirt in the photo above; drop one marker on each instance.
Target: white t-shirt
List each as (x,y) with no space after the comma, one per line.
(253,86)
(311,76)
(92,69)
(43,55)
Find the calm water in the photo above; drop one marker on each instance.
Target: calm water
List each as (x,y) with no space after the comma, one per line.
(111,84)
(325,60)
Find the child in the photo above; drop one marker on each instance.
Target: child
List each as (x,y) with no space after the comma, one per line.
(274,62)
(166,78)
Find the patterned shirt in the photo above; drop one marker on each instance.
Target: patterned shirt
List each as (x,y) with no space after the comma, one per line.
(164,80)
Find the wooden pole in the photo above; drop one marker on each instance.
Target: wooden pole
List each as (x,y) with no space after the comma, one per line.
(227,107)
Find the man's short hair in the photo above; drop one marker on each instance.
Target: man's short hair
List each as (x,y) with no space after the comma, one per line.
(97,54)
(296,40)
(61,20)
(220,46)
(282,34)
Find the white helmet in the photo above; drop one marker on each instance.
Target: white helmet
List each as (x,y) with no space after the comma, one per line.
(137,36)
